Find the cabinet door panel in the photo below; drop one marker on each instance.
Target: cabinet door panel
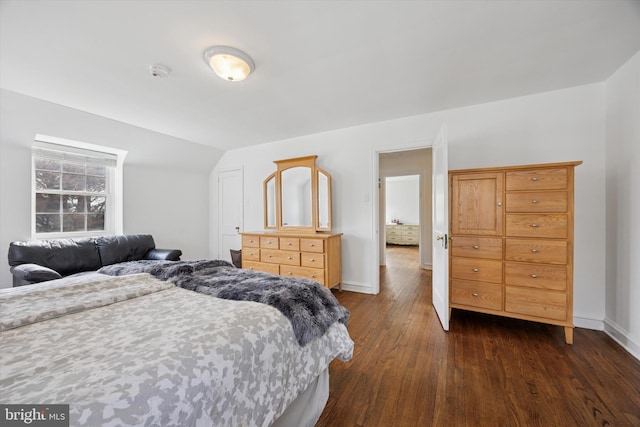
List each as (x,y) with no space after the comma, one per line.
(476,204)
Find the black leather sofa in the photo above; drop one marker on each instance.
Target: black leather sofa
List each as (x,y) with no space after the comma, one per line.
(37,261)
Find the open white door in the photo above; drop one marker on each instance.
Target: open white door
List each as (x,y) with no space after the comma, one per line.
(440,220)
(230,212)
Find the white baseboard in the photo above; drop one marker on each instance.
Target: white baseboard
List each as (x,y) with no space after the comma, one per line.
(621,336)
(588,323)
(426,266)
(362,288)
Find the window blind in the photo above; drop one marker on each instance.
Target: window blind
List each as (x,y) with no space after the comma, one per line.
(47,150)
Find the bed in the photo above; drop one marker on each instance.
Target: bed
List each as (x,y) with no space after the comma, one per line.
(136,349)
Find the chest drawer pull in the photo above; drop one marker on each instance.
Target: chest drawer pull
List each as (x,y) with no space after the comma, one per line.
(534,276)
(534,178)
(475,294)
(535,251)
(290,258)
(476,247)
(475,270)
(535,225)
(535,202)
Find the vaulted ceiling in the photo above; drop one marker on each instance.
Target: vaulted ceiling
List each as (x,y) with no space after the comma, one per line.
(320,65)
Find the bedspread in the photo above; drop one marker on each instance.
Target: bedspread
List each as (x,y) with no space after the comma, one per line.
(168,357)
(310,307)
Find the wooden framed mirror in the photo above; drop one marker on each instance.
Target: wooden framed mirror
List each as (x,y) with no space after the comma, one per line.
(297,197)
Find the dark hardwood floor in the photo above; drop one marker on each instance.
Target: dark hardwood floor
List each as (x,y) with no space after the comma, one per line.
(486,371)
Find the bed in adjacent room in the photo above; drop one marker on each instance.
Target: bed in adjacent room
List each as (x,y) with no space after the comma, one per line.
(138,350)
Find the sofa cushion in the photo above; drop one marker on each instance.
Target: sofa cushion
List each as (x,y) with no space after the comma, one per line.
(66,256)
(115,249)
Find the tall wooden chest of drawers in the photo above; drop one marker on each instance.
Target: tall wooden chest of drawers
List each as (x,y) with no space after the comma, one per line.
(315,256)
(511,251)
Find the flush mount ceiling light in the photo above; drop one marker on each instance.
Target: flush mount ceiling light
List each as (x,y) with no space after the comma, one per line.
(229,63)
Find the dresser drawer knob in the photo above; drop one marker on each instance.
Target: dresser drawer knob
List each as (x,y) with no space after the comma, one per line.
(534,276)
(475,270)
(290,258)
(535,225)
(535,202)
(290,274)
(289,244)
(535,178)
(535,251)
(312,260)
(475,294)
(476,247)
(268,256)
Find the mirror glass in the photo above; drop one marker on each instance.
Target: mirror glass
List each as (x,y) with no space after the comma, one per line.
(270,202)
(296,197)
(323,200)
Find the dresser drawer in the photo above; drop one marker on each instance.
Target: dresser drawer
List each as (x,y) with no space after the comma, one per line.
(476,247)
(278,256)
(312,259)
(476,269)
(536,275)
(250,254)
(289,243)
(392,230)
(410,240)
(410,230)
(539,179)
(316,274)
(536,302)
(554,201)
(476,294)
(312,245)
(394,240)
(536,250)
(537,225)
(251,241)
(261,266)
(269,242)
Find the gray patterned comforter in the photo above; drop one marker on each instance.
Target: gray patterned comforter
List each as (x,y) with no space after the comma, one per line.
(310,307)
(134,350)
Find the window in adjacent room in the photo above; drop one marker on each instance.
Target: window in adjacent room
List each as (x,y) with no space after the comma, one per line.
(77,188)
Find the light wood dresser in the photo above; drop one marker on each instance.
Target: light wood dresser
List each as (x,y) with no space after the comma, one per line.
(315,256)
(402,234)
(511,251)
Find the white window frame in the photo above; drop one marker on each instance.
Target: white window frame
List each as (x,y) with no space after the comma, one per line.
(114,223)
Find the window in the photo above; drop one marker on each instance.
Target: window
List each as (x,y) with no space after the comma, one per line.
(74,191)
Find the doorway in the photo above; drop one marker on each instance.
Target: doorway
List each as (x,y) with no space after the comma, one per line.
(400,172)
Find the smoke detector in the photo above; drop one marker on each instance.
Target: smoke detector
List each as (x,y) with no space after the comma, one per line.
(159,70)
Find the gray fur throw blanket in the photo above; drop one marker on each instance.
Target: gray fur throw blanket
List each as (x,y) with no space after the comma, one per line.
(310,307)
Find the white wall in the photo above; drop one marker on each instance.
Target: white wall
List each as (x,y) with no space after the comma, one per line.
(623,205)
(402,196)
(557,126)
(165,178)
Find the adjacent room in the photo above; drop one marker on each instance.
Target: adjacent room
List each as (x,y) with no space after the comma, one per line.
(320,213)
